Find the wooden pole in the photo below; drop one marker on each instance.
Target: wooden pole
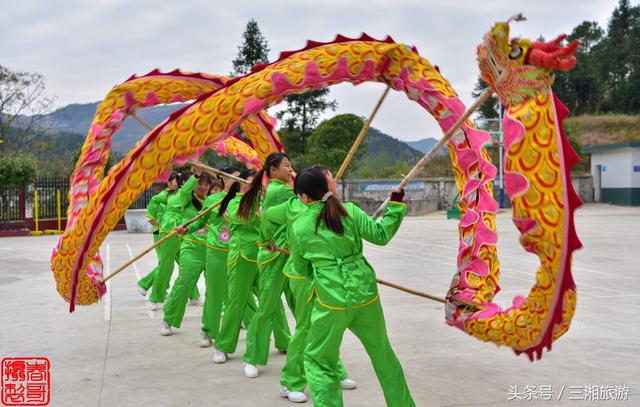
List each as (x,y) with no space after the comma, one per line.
(411,291)
(141,120)
(361,135)
(159,242)
(427,157)
(216,171)
(384,282)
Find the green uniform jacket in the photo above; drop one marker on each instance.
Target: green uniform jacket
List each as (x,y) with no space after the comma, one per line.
(277,193)
(343,278)
(279,215)
(244,235)
(174,213)
(219,234)
(156,208)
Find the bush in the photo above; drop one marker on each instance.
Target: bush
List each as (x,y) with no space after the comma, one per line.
(17,171)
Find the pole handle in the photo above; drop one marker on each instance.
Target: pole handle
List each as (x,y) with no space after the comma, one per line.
(429,156)
(361,135)
(158,243)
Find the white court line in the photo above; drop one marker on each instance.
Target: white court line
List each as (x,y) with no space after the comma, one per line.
(524,258)
(107,296)
(583,284)
(150,314)
(135,266)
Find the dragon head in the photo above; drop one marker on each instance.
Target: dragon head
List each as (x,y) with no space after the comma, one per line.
(517,69)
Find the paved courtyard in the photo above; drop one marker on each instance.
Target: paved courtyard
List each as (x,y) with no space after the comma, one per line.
(111,353)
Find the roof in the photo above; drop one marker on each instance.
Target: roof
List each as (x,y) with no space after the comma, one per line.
(605,147)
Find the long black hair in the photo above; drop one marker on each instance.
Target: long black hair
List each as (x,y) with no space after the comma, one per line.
(235,187)
(313,183)
(249,200)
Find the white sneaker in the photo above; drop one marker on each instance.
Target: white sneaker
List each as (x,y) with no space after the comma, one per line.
(205,341)
(165,329)
(141,290)
(293,396)
(251,370)
(194,301)
(348,384)
(153,306)
(219,357)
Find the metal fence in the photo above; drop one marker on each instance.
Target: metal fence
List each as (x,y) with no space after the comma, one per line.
(18,204)
(145,197)
(47,189)
(10,209)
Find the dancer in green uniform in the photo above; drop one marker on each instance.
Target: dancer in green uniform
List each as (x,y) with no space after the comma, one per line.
(169,251)
(155,210)
(193,253)
(270,314)
(327,246)
(293,380)
(241,266)
(216,264)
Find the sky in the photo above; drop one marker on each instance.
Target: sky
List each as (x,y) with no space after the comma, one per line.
(84,48)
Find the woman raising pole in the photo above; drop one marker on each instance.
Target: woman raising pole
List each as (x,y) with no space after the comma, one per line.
(272,282)
(327,243)
(193,255)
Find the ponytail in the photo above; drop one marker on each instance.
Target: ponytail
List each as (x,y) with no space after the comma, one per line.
(233,191)
(235,187)
(313,183)
(249,200)
(332,214)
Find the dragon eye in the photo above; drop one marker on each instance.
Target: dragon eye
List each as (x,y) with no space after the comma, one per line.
(515,52)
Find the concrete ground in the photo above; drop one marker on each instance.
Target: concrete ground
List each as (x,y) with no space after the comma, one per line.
(111,353)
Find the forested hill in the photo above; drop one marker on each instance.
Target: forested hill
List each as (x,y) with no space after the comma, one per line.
(384,151)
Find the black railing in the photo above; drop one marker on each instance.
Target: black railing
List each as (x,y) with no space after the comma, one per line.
(145,197)
(18,203)
(10,204)
(47,197)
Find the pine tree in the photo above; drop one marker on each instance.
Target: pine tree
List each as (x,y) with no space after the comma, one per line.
(489,109)
(253,50)
(301,117)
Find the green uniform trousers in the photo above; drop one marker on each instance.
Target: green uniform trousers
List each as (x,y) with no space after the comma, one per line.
(216,294)
(148,281)
(293,377)
(193,258)
(323,346)
(270,315)
(242,285)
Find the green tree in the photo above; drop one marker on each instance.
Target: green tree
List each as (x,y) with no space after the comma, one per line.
(301,116)
(581,88)
(17,171)
(330,142)
(620,59)
(253,50)
(489,109)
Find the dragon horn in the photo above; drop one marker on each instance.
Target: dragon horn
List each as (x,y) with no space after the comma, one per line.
(517,17)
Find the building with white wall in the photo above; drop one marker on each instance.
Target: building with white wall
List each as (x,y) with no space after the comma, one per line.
(616,173)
